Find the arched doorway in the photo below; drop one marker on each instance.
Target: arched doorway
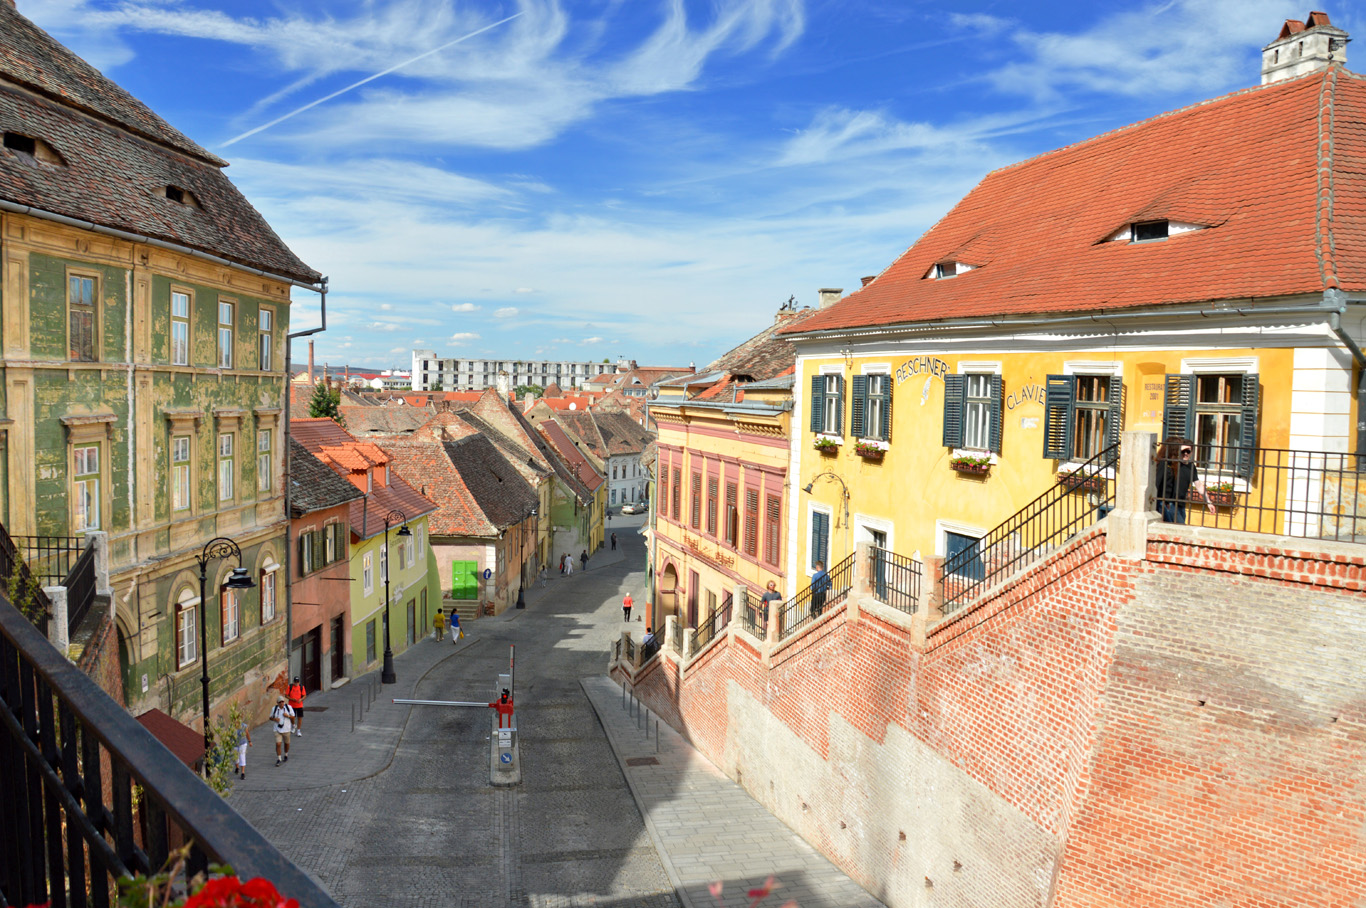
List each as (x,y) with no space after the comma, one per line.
(668,594)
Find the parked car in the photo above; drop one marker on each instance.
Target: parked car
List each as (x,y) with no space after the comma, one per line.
(633,509)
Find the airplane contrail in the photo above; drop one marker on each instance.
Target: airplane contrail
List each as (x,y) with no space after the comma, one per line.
(342,91)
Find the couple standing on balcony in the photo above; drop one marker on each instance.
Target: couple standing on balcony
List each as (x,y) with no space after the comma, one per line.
(1177,477)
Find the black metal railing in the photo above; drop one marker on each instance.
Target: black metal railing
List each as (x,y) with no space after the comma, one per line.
(80,589)
(754,614)
(21,586)
(87,795)
(895,579)
(1079,499)
(1309,494)
(630,647)
(50,558)
(616,650)
(806,606)
(707,629)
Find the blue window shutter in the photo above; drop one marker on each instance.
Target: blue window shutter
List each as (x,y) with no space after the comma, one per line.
(997,414)
(820,537)
(818,403)
(1115,421)
(838,428)
(857,416)
(1178,409)
(1247,442)
(886,409)
(954,388)
(1059,395)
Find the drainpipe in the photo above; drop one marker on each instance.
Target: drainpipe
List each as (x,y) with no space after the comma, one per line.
(1335,323)
(289,519)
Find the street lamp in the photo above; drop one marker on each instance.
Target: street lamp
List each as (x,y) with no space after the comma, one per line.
(844,488)
(387,676)
(220,547)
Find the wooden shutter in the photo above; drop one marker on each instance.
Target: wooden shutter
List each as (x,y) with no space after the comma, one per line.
(751,522)
(711,506)
(954,388)
(1114,424)
(1059,394)
(1247,447)
(818,403)
(839,407)
(1178,408)
(696,500)
(997,415)
(886,397)
(857,414)
(820,538)
(773,532)
(732,516)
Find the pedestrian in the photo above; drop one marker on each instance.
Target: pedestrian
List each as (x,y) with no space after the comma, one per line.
(614,542)
(1177,477)
(568,565)
(243,742)
(649,646)
(626,606)
(820,586)
(296,694)
(457,633)
(562,558)
(439,625)
(283,717)
(583,559)
(771,594)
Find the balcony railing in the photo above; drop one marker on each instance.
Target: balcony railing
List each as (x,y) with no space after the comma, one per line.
(706,631)
(1079,499)
(752,616)
(20,584)
(895,579)
(50,558)
(806,606)
(80,589)
(87,795)
(1308,494)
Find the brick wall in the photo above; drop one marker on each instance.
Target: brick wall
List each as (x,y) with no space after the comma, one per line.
(100,658)
(1048,747)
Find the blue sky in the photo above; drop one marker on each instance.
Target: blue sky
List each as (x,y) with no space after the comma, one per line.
(639,178)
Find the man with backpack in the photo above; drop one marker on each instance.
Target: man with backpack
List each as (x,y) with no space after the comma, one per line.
(283,717)
(296,694)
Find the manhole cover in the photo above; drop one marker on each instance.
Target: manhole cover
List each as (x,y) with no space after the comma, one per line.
(641,761)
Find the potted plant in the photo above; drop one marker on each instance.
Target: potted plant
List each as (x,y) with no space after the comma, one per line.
(970,463)
(826,445)
(1219,494)
(871,450)
(1078,481)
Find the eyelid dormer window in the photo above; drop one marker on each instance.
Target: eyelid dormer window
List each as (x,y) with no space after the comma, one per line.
(33,150)
(182,196)
(947,269)
(1149,230)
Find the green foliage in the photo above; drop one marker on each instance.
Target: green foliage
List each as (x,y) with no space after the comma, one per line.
(222,755)
(20,590)
(326,402)
(523,390)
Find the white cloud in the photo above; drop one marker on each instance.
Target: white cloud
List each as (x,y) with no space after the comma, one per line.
(464,307)
(590,340)
(386,307)
(506,312)
(462,337)
(524,290)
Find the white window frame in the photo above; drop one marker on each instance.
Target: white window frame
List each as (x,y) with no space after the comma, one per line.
(187,629)
(1112,367)
(267,581)
(226,332)
(1207,365)
(85,486)
(979,367)
(265,332)
(384,563)
(226,466)
(421,534)
(181,323)
(230,614)
(182,487)
(869,370)
(265,457)
(367,572)
(943,527)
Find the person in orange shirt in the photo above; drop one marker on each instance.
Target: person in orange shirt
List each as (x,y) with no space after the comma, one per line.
(626,606)
(296,694)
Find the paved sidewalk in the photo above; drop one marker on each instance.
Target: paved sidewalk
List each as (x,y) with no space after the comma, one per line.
(707,828)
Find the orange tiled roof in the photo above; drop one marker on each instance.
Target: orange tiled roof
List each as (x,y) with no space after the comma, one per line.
(1274,174)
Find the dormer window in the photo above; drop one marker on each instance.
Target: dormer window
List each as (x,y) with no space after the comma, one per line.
(1149,230)
(34,151)
(182,197)
(942,270)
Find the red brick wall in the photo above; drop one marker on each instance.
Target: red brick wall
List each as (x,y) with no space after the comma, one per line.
(100,659)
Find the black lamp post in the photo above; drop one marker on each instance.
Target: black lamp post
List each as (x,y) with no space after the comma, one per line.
(386,675)
(220,547)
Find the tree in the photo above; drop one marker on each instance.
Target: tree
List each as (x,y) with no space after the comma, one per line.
(523,390)
(326,401)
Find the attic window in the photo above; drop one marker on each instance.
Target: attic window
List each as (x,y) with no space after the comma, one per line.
(182,197)
(942,270)
(1149,230)
(33,150)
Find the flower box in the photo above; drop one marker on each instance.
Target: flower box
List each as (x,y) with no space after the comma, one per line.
(1078,482)
(869,450)
(978,465)
(1219,496)
(826,444)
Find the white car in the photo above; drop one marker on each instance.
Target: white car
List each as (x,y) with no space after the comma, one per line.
(633,509)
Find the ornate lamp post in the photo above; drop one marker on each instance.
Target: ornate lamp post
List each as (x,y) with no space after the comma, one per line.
(220,547)
(386,675)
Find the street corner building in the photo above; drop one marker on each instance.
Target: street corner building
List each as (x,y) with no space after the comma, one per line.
(146,305)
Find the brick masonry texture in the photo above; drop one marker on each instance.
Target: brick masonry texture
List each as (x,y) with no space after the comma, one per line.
(1185,730)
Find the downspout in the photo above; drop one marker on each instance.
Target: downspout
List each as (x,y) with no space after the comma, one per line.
(1335,323)
(289,519)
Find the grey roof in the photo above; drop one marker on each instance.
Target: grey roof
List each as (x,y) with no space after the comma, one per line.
(780,383)
(313,485)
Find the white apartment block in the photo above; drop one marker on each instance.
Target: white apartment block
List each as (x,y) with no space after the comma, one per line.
(433,373)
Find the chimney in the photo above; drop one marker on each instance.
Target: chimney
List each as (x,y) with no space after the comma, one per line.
(1303,48)
(865,281)
(829,296)
(310,361)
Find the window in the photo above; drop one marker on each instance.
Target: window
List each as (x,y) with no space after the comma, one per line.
(408,545)
(696,500)
(180,328)
(1148,230)
(945,269)
(1218,411)
(227,602)
(871,413)
(732,515)
(677,490)
(711,602)
(421,534)
(972,412)
(367,573)
(820,540)
(772,533)
(711,505)
(827,404)
(80,305)
(751,522)
(384,564)
(1082,415)
(265,480)
(268,595)
(370,640)
(85,471)
(180,473)
(225,466)
(265,333)
(614,496)
(465,580)
(968,566)
(186,629)
(330,543)
(225,312)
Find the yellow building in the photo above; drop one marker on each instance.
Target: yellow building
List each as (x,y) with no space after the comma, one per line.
(722,478)
(1181,276)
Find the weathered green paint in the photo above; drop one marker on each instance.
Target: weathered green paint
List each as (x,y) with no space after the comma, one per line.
(423,574)
(47,307)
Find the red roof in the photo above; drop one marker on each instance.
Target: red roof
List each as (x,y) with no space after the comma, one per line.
(181,740)
(1276,176)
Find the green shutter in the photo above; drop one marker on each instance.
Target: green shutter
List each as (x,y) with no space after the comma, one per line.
(997,414)
(1059,395)
(954,388)
(839,407)
(820,538)
(887,409)
(1178,410)
(818,403)
(857,416)
(1247,442)
(1115,421)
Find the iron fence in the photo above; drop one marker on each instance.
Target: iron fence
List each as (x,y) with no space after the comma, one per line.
(753,613)
(806,606)
(87,795)
(716,621)
(50,558)
(895,579)
(80,589)
(1079,499)
(630,646)
(1308,494)
(616,650)
(22,587)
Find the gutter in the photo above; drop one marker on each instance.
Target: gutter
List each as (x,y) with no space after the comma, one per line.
(1337,300)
